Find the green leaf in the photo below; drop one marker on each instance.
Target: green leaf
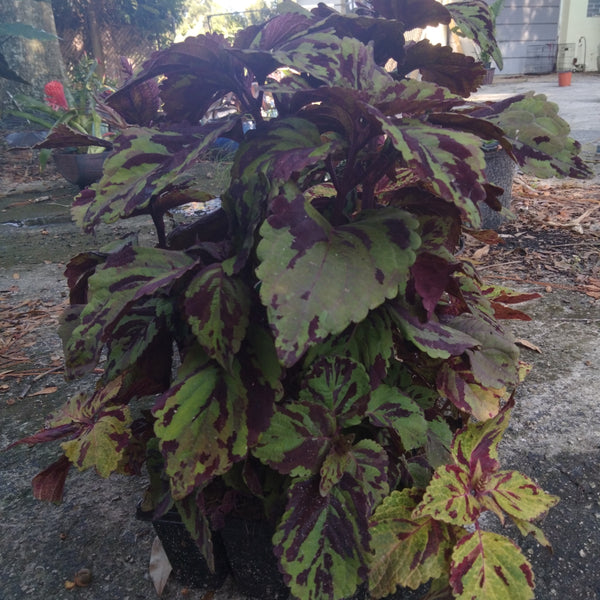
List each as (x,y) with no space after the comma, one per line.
(217,308)
(449,163)
(201,424)
(487,565)
(127,276)
(308,269)
(328,559)
(407,552)
(103,433)
(519,496)
(475,21)
(298,438)
(340,384)
(391,409)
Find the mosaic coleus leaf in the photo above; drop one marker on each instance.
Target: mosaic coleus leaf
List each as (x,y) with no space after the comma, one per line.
(492,371)
(448,163)
(475,22)
(146,164)
(217,308)
(201,423)
(308,268)
(487,565)
(539,136)
(459,492)
(302,434)
(126,276)
(398,413)
(407,552)
(328,559)
(339,62)
(436,339)
(102,429)
(369,342)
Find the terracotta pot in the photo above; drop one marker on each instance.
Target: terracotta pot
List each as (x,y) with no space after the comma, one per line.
(80,169)
(564,79)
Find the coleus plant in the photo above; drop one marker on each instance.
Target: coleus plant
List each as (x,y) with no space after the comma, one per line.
(314,347)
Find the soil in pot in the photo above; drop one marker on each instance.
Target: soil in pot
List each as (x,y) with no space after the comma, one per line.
(188,563)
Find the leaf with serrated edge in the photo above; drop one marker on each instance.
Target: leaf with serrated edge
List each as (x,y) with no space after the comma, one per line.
(309,268)
(217,308)
(201,424)
(406,551)
(448,497)
(519,496)
(298,438)
(389,408)
(487,565)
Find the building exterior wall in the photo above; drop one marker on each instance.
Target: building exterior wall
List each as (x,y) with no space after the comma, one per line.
(527,33)
(580,26)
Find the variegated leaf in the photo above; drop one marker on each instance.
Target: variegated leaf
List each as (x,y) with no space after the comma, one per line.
(340,384)
(308,268)
(436,339)
(391,409)
(519,496)
(298,439)
(475,21)
(126,276)
(449,497)
(217,308)
(146,164)
(487,565)
(103,433)
(201,424)
(449,163)
(328,560)
(406,551)
(455,382)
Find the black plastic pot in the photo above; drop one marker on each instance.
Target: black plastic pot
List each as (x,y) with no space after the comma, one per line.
(188,563)
(253,564)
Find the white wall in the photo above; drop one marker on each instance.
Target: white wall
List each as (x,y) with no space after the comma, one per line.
(582,31)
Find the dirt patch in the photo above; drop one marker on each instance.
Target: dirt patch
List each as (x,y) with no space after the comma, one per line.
(552,248)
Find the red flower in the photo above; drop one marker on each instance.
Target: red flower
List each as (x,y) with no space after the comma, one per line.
(55,95)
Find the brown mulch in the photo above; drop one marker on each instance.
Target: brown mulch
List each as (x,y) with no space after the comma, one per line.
(554,241)
(20,359)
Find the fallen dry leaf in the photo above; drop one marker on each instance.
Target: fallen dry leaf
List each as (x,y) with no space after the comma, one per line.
(16,276)
(160,567)
(47,390)
(528,344)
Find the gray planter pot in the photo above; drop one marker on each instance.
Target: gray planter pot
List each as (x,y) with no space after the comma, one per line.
(500,170)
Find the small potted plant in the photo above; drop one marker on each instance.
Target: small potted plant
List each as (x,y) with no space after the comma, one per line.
(79,125)
(310,357)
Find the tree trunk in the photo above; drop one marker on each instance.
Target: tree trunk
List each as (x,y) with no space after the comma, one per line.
(35,61)
(95,37)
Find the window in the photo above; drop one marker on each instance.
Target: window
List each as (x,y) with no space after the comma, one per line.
(593,8)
